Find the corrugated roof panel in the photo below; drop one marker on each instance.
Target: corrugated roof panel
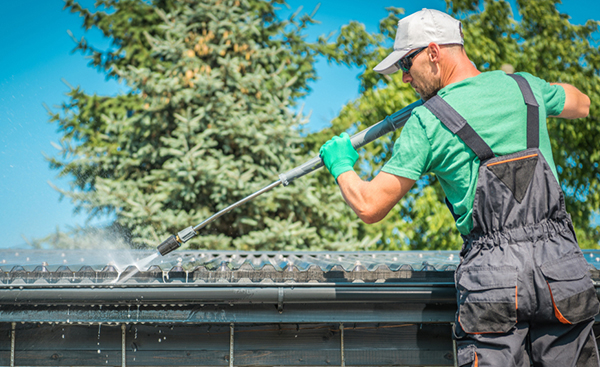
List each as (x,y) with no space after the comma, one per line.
(139,267)
(98,260)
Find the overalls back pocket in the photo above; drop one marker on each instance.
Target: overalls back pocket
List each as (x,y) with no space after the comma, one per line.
(487,298)
(572,292)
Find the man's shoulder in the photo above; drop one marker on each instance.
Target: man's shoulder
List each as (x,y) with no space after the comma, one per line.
(423,119)
(421,116)
(482,80)
(492,89)
(488,79)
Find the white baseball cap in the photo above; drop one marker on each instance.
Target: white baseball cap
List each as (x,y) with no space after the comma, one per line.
(418,30)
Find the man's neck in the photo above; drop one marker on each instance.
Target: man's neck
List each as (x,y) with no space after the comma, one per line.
(457,69)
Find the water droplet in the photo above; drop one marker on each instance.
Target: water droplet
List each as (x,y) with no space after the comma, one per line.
(159,340)
(98,351)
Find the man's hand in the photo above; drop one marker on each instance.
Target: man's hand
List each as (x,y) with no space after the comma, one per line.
(339,155)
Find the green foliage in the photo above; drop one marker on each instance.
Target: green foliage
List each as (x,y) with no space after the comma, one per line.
(207,122)
(542,42)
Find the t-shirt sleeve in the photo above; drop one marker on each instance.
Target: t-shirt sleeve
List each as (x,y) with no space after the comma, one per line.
(412,151)
(553,95)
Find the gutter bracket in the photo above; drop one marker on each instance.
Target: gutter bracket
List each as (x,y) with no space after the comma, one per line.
(280,300)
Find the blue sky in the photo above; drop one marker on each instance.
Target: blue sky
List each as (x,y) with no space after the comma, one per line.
(37,56)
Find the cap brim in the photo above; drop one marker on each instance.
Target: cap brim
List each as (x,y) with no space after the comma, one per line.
(389,65)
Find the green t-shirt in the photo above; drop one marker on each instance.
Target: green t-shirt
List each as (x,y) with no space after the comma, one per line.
(493,105)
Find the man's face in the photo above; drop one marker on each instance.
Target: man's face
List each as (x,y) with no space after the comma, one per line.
(422,76)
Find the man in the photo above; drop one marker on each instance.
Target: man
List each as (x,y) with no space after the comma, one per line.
(524,290)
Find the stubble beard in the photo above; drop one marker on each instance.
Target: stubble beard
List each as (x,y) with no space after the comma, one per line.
(427,90)
(426,87)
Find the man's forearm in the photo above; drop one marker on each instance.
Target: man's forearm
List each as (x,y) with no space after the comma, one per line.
(353,190)
(372,200)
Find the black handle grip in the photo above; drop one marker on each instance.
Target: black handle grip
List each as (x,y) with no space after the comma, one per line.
(362,138)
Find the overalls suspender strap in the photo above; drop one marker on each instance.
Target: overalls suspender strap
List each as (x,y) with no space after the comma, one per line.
(533,113)
(459,126)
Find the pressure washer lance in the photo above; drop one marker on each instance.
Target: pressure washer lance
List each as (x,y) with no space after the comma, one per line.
(389,124)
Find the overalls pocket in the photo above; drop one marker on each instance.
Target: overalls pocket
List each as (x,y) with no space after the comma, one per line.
(572,292)
(467,356)
(487,299)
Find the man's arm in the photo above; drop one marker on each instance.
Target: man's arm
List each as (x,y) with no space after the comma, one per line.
(577,104)
(370,200)
(373,200)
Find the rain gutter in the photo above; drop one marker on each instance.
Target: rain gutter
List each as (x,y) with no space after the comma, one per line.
(440,293)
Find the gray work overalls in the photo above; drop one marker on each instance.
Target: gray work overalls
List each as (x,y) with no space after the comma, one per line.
(523,286)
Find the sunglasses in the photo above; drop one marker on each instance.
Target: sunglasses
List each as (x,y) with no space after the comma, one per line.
(405,63)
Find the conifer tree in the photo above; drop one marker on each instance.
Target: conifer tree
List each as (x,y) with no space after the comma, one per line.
(208,120)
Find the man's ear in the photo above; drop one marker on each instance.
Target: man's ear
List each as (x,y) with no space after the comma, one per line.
(433,52)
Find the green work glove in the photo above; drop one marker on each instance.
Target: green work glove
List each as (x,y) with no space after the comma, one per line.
(339,155)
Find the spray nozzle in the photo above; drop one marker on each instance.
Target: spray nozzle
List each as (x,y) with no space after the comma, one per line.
(168,245)
(173,242)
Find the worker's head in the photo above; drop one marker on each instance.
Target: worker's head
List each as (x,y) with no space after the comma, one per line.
(423,40)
